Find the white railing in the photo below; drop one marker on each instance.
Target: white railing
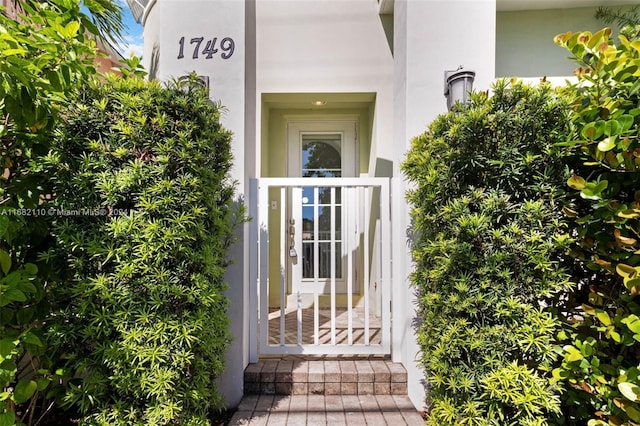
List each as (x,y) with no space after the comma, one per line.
(321,313)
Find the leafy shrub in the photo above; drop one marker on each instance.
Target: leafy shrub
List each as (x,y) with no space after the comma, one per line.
(45,55)
(600,366)
(486,208)
(145,217)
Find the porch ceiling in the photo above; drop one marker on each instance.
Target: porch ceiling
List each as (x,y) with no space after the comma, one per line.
(306,100)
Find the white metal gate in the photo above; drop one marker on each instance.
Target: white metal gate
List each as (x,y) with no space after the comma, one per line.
(353,318)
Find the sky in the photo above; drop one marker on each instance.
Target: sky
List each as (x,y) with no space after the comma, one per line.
(132,33)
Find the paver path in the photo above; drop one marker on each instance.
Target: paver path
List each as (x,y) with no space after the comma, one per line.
(330,410)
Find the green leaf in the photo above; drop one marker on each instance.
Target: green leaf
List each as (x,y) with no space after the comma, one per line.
(31,269)
(614,335)
(5,261)
(574,355)
(31,338)
(603,317)
(634,326)
(43,383)
(10,52)
(12,295)
(629,390)
(24,390)
(7,419)
(7,345)
(576,182)
(54,80)
(71,29)
(560,373)
(90,26)
(607,144)
(586,350)
(626,121)
(27,287)
(626,271)
(612,127)
(591,132)
(630,283)
(25,315)
(632,412)
(629,214)
(8,365)
(592,190)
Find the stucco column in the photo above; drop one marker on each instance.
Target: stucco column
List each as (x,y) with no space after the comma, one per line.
(430,36)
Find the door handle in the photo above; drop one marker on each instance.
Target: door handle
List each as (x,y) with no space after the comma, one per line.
(292,235)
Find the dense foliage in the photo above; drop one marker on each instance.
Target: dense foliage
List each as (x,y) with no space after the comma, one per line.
(601,364)
(488,255)
(145,218)
(44,55)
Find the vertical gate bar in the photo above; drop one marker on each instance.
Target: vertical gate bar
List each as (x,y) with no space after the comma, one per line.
(254,271)
(348,199)
(367,262)
(316,267)
(333,263)
(299,317)
(385,238)
(284,229)
(299,256)
(263,315)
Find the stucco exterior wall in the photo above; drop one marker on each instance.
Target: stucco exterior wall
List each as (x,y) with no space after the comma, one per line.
(524,40)
(151,37)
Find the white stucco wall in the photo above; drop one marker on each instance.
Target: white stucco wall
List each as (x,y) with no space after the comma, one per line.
(525,47)
(151,37)
(431,36)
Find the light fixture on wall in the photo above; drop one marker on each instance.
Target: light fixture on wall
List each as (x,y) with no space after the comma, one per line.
(319,103)
(457,85)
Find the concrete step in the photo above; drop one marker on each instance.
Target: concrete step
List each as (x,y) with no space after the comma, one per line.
(325,377)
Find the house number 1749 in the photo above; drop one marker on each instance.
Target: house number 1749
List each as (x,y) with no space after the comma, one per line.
(209,48)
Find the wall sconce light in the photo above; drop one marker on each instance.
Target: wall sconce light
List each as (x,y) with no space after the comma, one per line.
(457,85)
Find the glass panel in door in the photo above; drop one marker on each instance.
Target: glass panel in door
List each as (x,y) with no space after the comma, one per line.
(321,156)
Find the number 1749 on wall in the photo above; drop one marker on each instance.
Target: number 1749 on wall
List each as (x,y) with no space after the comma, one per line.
(211,47)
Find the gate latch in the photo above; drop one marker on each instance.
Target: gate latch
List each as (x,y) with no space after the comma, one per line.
(292,234)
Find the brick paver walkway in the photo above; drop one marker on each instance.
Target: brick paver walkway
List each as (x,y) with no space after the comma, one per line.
(330,410)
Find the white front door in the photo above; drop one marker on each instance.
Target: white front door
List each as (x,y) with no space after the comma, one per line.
(319,220)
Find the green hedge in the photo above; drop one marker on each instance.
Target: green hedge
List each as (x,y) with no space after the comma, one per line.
(144,206)
(601,360)
(489,247)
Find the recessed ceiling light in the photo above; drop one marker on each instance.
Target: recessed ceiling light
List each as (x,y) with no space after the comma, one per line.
(319,103)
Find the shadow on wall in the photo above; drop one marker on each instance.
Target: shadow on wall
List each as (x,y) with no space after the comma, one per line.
(155,62)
